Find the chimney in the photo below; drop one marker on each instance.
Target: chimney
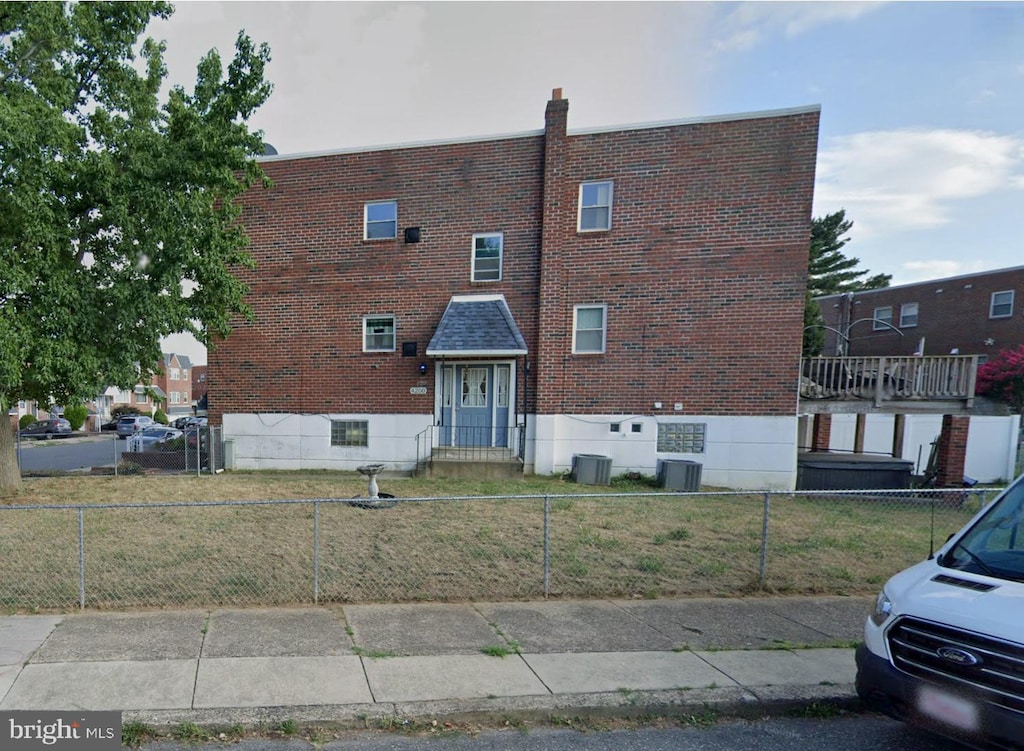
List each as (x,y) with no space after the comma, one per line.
(556,94)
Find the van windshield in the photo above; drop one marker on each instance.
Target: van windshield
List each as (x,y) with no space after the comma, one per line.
(994,546)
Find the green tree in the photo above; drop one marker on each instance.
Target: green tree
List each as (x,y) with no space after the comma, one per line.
(76,414)
(117,210)
(829,270)
(814,327)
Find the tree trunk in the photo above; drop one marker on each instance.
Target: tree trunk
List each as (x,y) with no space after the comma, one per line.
(10,476)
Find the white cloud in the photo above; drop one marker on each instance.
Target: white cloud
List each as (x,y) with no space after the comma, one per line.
(920,271)
(752,22)
(894,180)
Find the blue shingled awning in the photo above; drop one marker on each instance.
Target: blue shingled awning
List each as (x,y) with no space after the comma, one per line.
(477,325)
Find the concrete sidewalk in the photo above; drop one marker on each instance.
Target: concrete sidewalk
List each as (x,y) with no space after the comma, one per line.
(353,664)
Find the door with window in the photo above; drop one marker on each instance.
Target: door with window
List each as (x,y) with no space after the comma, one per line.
(475,404)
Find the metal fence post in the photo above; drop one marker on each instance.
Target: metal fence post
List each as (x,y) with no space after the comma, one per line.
(81,559)
(547,545)
(763,567)
(316,552)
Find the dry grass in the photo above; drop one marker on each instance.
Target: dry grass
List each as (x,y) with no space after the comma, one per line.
(633,544)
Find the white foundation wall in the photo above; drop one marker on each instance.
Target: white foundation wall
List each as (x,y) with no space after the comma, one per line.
(291,441)
(743,453)
(991,441)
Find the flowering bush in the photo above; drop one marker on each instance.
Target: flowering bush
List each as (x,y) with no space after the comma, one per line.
(1002,378)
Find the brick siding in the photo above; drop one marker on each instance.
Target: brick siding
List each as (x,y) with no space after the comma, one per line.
(703,270)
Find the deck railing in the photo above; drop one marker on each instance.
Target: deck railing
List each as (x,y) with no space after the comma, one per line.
(904,378)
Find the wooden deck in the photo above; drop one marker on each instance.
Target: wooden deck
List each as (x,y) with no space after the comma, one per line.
(905,384)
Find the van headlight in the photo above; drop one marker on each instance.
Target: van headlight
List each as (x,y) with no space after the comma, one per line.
(883,609)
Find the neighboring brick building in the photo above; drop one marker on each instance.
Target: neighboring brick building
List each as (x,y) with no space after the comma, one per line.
(973,314)
(635,292)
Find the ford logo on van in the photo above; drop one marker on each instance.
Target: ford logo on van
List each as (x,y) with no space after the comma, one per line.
(958,656)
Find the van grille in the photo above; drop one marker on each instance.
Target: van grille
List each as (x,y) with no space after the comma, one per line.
(991,668)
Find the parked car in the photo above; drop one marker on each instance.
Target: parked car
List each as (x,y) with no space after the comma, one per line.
(944,647)
(155,436)
(182,422)
(55,427)
(110,424)
(130,424)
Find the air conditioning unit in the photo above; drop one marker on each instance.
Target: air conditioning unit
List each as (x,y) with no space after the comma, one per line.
(679,474)
(592,469)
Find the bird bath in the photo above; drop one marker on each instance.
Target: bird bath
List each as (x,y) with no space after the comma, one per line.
(371,471)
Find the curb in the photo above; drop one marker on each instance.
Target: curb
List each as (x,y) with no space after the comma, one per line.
(694,704)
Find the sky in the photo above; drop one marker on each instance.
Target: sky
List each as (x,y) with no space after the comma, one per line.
(922,104)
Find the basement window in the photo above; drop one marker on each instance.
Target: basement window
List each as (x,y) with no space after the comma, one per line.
(350,433)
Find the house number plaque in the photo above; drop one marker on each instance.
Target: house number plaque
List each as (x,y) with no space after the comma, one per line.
(418,390)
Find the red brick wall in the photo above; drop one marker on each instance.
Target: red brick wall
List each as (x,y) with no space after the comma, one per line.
(821,433)
(703,271)
(317,278)
(953,313)
(952,453)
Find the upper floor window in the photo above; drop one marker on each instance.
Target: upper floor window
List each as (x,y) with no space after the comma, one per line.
(380,220)
(595,206)
(487,253)
(175,374)
(1002,304)
(882,318)
(908,315)
(588,329)
(184,375)
(379,334)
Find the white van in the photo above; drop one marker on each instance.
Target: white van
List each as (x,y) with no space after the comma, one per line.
(945,646)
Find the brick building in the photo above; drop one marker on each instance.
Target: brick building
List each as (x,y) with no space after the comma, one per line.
(634,292)
(973,314)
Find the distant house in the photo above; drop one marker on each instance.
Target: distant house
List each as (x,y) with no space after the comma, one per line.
(632,292)
(972,314)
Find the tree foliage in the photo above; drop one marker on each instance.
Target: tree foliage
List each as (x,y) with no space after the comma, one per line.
(814,327)
(117,212)
(1002,378)
(829,270)
(76,414)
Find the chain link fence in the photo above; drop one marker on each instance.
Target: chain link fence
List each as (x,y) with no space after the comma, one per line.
(198,450)
(132,555)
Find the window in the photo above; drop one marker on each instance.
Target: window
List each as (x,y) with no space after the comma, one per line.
(379,334)
(504,376)
(175,397)
(588,335)
(882,318)
(908,315)
(487,252)
(175,374)
(682,437)
(184,375)
(1002,305)
(474,387)
(380,220)
(595,206)
(349,433)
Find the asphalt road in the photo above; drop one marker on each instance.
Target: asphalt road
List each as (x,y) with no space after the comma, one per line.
(76,452)
(868,732)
